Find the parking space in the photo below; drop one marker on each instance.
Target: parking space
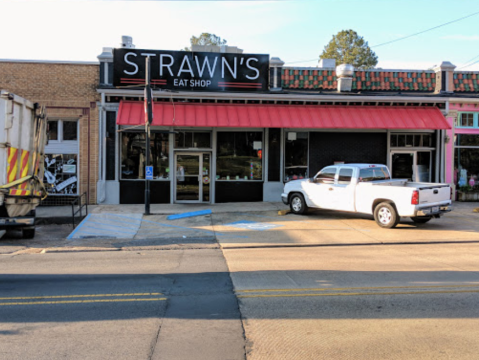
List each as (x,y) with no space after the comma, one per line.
(322,227)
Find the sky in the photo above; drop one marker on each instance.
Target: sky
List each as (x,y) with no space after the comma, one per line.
(294,30)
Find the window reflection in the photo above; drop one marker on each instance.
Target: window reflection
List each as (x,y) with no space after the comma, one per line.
(133,155)
(466,162)
(296,156)
(239,156)
(189,139)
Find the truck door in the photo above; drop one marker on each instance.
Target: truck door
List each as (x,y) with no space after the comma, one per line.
(342,193)
(319,190)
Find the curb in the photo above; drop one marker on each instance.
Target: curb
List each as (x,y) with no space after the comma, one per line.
(57,220)
(351,244)
(179,247)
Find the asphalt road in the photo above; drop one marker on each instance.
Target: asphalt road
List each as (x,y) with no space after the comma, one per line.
(119,305)
(321,286)
(359,302)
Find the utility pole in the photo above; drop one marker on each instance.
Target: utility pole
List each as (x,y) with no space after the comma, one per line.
(148,120)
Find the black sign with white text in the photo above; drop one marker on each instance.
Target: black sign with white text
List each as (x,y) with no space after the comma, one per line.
(192,71)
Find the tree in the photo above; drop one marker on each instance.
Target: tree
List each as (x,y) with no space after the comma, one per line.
(206,39)
(347,47)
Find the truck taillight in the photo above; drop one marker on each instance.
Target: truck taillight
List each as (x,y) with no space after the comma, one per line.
(415,198)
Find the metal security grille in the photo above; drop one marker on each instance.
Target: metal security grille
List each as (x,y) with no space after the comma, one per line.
(325,148)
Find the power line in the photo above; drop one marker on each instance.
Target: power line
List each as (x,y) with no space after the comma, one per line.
(406,37)
(466,64)
(424,31)
(475,62)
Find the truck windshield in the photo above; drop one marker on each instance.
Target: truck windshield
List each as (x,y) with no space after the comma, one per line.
(373,174)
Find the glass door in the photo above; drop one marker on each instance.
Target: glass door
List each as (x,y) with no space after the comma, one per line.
(411,165)
(188,185)
(423,166)
(192,176)
(402,165)
(206,179)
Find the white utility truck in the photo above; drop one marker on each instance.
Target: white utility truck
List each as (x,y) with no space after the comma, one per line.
(368,189)
(22,144)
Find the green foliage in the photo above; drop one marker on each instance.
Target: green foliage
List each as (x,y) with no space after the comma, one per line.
(347,47)
(465,188)
(206,39)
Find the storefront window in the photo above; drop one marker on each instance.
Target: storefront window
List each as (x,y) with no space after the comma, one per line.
(411,140)
(53,130)
(239,156)
(467,120)
(63,130)
(189,139)
(296,156)
(70,130)
(60,176)
(133,155)
(466,140)
(466,161)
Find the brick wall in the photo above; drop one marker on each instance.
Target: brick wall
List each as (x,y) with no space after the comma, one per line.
(68,90)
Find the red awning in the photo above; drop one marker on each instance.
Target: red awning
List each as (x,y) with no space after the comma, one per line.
(283,116)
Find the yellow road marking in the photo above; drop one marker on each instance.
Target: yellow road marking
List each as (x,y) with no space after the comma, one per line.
(77,301)
(361,294)
(77,296)
(359,288)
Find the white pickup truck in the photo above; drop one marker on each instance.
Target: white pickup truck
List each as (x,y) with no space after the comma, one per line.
(368,189)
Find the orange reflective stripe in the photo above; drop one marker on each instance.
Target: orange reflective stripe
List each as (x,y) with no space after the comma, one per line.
(12,164)
(24,162)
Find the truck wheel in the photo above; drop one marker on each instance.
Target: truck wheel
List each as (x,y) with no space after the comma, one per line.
(28,233)
(420,219)
(297,204)
(386,215)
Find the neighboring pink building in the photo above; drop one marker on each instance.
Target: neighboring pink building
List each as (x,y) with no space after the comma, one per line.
(462,151)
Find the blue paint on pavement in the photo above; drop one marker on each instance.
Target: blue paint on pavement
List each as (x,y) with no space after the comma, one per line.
(107,225)
(79,227)
(252,225)
(188,214)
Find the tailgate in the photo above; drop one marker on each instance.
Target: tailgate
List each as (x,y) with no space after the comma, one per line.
(434,194)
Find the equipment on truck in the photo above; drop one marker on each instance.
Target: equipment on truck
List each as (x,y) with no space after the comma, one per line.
(23,128)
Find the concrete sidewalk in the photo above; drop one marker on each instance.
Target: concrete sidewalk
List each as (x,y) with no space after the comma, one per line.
(52,212)
(62,212)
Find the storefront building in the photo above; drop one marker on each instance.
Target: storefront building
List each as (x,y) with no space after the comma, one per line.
(226,142)
(68,91)
(241,136)
(462,139)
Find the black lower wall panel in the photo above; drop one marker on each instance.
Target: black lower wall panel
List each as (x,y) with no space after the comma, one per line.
(238,191)
(274,155)
(327,147)
(133,192)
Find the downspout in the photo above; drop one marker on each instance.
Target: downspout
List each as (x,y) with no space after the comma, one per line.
(89,154)
(443,153)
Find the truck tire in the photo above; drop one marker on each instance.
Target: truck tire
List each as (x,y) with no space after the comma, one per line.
(28,233)
(297,204)
(386,215)
(421,219)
